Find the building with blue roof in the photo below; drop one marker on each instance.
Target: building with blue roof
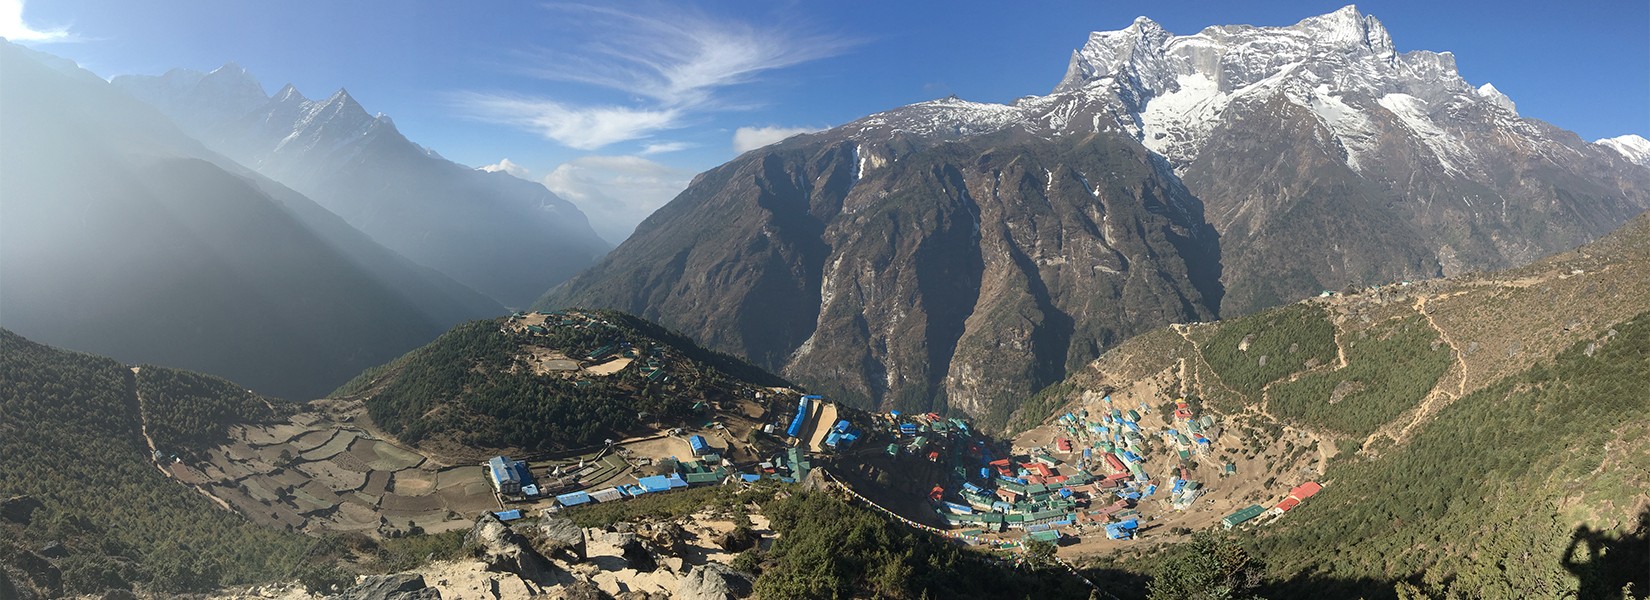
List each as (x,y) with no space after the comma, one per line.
(503,474)
(573,498)
(656,483)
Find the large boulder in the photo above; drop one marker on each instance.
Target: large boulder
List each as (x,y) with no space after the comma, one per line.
(665,539)
(713,581)
(623,544)
(400,586)
(560,539)
(583,590)
(504,550)
(738,540)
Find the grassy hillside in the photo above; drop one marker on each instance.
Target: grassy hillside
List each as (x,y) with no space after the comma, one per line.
(484,387)
(70,438)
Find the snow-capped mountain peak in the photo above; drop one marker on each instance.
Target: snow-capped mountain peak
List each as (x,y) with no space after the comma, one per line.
(226,91)
(1170,90)
(341,104)
(1336,75)
(330,126)
(1494,96)
(1348,28)
(1633,147)
(289,93)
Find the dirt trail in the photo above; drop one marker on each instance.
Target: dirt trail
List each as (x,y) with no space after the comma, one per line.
(143,427)
(1430,404)
(143,422)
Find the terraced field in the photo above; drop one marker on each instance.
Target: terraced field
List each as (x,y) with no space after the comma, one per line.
(318,472)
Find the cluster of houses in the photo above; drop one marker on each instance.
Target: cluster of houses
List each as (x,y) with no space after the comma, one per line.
(914,433)
(1101,482)
(1094,477)
(514,481)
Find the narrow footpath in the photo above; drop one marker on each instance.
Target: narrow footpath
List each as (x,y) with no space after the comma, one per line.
(143,427)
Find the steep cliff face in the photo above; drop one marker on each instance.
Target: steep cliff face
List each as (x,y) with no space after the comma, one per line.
(919,272)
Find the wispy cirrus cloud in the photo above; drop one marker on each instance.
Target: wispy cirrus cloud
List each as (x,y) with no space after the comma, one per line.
(674,63)
(581,127)
(14,28)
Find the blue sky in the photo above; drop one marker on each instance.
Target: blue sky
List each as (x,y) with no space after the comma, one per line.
(618,107)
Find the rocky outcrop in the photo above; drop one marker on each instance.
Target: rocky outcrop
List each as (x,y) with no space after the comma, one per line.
(713,581)
(400,586)
(738,540)
(624,545)
(665,539)
(502,549)
(558,538)
(582,590)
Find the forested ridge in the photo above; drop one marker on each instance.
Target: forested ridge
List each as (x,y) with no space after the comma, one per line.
(473,386)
